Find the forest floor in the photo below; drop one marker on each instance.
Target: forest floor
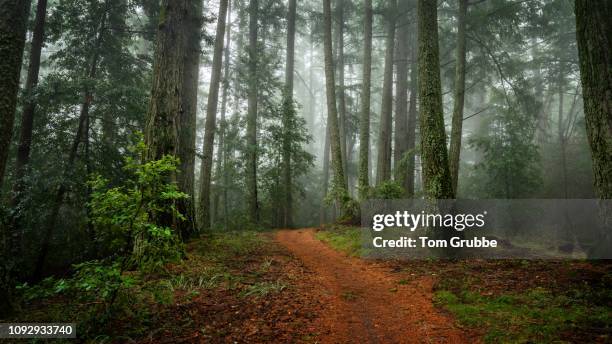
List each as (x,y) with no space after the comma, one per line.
(309,286)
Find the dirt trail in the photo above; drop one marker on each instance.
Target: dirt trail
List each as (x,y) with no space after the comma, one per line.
(364,302)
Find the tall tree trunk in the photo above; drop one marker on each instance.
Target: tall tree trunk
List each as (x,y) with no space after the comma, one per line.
(340,88)
(211,116)
(412,117)
(222,150)
(168,123)
(436,174)
(288,115)
(594,36)
(326,148)
(561,131)
(457,121)
(27,119)
(13,22)
(383,168)
(27,124)
(192,27)
(339,188)
(401,98)
(81,135)
(251,131)
(364,121)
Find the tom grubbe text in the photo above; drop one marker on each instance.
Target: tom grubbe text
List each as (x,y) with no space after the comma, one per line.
(410,221)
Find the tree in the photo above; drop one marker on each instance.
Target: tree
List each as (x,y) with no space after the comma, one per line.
(412,117)
(594,32)
(436,175)
(222,152)
(211,116)
(251,131)
(13,21)
(457,120)
(364,121)
(401,98)
(185,150)
(340,90)
(288,111)
(339,189)
(81,137)
(169,92)
(27,118)
(384,139)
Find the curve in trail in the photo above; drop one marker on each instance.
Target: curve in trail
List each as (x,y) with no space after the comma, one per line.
(364,302)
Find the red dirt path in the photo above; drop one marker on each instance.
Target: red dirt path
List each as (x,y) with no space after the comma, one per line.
(364,302)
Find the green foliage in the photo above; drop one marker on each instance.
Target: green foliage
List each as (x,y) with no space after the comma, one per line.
(344,239)
(536,315)
(124,220)
(389,189)
(510,167)
(124,217)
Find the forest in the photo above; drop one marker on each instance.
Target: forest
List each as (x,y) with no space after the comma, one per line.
(195,171)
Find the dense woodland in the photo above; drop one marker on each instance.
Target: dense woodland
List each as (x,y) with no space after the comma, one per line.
(130,126)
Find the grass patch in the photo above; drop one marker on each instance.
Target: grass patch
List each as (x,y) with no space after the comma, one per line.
(532,316)
(344,239)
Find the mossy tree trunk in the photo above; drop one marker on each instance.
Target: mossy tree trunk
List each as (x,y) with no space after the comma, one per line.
(401,97)
(436,175)
(412,117)
(364,122)
(13,22)
(339,188)
(340,93)
(594,38)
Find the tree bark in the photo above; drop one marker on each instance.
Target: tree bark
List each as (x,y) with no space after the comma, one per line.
(251,131)
(326,149)
(383,167)
(187,130)
(412,118)
(27,119)
(401,99)
(436,174)
(340,88)
(288,114)
(339,188)
(13,22)
(457,121)
(211,116)
(170,109)
(222,150)
(27,124)
(364,121)
(594,38)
